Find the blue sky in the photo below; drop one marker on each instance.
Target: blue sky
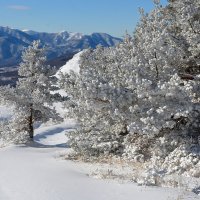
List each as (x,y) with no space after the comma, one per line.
(85,16)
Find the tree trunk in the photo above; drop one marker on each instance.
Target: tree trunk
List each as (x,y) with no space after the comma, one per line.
(30,123)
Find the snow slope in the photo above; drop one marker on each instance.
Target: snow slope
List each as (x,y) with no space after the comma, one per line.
(36,172)
(72,64)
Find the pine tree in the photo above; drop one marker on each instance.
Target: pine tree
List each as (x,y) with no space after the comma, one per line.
(31,97)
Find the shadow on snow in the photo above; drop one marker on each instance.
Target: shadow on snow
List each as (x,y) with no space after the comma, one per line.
(44,135)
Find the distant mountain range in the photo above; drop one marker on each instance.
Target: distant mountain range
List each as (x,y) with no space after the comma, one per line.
(59,45)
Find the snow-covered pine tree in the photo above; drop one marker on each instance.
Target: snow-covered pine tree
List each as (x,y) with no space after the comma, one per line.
(32,98)
(185,32)
(97,92)
(132,100)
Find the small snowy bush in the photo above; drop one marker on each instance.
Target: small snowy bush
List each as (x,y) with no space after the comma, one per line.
(9,134)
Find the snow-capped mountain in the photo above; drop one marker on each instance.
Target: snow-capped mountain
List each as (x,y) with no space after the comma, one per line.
(62,44)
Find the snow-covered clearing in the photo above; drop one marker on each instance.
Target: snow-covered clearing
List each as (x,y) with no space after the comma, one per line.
(36,172)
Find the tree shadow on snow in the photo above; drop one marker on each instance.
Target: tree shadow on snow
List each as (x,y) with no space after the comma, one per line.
(37,143)
(50,132)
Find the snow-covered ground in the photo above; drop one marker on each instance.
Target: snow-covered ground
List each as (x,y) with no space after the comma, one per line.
(36,172)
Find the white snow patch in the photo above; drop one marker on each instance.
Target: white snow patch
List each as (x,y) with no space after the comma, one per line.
(75,36)
(72,64)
